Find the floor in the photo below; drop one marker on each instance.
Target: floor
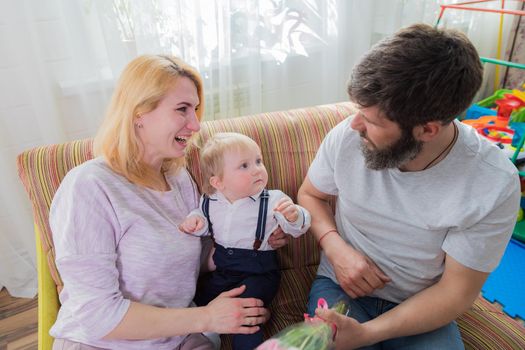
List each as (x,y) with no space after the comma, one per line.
(18,322)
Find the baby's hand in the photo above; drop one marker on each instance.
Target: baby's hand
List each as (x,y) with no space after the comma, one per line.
(192,224)
(289,210)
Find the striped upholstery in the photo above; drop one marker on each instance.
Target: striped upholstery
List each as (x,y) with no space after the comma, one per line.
(289,141)
(41,171)
(485,326)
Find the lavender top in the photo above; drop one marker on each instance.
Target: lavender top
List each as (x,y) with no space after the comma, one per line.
(117,242)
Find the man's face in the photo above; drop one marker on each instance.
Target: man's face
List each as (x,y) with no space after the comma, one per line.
(383,143)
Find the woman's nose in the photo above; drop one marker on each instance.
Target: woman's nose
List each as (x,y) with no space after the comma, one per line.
(193,123)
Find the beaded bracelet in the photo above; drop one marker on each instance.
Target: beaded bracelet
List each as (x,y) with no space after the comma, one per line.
(326,234)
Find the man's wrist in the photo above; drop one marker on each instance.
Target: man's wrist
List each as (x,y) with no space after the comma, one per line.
(330,241)
(323,236)
(379,329)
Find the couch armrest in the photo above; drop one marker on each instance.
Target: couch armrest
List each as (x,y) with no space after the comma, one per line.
(48,303)
(485,326)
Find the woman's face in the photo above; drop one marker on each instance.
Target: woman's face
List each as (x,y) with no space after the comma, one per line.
(164,131)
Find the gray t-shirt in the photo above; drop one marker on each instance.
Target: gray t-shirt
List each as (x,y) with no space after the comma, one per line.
(464,206)
(116,242)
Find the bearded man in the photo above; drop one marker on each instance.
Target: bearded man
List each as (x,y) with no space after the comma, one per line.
(424,206)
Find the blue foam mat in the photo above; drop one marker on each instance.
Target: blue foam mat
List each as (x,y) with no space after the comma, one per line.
(506,284)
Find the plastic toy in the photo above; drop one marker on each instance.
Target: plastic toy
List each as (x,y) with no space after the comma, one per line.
(496,125)
(476,111)
(507,105)
(519,94)
(489,101)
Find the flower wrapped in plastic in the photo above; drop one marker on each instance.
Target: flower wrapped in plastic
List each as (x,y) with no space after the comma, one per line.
(312,334)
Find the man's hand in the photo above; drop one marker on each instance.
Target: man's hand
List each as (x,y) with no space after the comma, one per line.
(278,238)
(350,333)
(357,274)
(192,224)
(289,210)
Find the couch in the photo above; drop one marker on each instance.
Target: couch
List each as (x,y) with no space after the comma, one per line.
(289,141)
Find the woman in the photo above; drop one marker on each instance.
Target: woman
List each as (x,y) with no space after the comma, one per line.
(129,274)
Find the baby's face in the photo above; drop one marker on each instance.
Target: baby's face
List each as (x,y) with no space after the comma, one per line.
(244,173)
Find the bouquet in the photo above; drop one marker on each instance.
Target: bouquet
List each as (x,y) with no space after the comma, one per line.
(312,334)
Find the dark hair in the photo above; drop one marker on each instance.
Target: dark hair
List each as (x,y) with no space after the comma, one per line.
(418,75)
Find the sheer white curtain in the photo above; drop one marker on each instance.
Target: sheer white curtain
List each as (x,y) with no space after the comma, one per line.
(60,58)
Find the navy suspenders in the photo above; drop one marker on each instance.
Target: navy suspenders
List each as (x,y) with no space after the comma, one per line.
(261,219)
(206,211)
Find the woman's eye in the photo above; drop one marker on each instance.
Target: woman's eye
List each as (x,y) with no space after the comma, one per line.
(258,161)
(244,165)
(182,109)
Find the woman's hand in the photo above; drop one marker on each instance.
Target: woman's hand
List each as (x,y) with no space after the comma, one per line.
(278,238)
(227,314)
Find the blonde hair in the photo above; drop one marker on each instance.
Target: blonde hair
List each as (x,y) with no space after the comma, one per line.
(213,151)
(143,83)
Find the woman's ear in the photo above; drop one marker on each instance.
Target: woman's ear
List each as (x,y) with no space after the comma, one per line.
(216,183)
(427,131)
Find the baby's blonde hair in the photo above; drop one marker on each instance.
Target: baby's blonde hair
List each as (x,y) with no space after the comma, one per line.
(213,151)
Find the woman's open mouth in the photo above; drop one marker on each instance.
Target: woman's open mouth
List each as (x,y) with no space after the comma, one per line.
(182,140)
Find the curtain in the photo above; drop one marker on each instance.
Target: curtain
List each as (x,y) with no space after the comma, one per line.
(60,58)
(514,78)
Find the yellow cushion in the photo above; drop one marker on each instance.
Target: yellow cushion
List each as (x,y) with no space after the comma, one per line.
(48,303)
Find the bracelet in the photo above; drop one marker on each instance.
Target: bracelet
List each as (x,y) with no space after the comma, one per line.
(325,234)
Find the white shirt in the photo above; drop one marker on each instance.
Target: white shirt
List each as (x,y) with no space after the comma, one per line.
(234,224)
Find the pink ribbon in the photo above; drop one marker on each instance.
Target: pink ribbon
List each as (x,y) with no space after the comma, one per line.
(321,303)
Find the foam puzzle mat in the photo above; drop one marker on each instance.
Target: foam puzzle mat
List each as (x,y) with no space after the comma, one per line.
(506,284)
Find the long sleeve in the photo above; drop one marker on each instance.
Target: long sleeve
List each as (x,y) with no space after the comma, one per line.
(198,212)
(115,243)
(297,228)
(84,232)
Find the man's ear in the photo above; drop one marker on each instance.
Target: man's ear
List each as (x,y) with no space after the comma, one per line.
(427,131)
(216,183)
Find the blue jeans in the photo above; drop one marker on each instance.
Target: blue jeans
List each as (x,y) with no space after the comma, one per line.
(367,308)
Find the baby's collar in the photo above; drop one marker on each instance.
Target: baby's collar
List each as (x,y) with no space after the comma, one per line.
(218,195)
(257,195)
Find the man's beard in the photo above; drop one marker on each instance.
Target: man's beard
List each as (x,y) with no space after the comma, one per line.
(394,156)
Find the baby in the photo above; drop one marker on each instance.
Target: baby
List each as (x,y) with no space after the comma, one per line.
(239,213)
